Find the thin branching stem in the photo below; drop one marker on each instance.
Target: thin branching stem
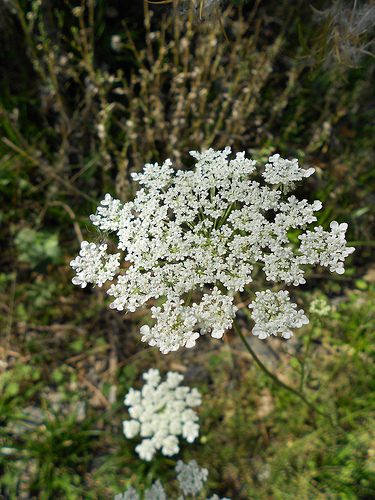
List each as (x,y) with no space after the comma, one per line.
(189,297)
(303,362)
(249,291)
(273,377)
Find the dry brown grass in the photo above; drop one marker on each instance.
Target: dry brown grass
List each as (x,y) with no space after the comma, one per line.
(192,91)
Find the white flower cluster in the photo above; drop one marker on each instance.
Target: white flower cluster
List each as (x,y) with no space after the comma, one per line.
(206,229)
(285,172)
(94,265)
(156,492)
(273,314)
(160,412)
(175,322)
(191,479)
(326,249)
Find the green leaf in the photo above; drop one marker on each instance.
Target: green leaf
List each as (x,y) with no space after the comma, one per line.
(302,40)
(37,247)
(12,389)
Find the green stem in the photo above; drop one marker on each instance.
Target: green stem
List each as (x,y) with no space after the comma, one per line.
(273,377)
(303,362)
(187,302)
(249,291)
(223,219)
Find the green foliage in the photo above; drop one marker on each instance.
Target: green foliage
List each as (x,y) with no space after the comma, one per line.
(38,248)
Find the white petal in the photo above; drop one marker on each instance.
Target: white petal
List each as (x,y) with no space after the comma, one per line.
(145,330)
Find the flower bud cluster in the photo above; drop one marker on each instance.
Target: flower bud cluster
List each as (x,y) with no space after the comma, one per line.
(320,307)
(207,229)
(161,412)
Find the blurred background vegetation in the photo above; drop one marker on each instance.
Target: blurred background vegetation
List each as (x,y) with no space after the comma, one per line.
(90,92)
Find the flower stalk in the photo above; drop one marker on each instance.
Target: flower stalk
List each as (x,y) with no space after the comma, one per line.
(273,377)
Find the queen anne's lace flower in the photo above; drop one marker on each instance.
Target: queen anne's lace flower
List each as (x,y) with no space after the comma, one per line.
(94,265)
(274,314)
(161,412)
(156,492)
(129,494)
(190,477)
(206,230)
(326,249)
(286,172)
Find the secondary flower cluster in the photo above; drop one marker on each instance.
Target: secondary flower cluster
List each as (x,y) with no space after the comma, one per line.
(190,477)
(160,412)
(206,229)
(273,314)
(286,172)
